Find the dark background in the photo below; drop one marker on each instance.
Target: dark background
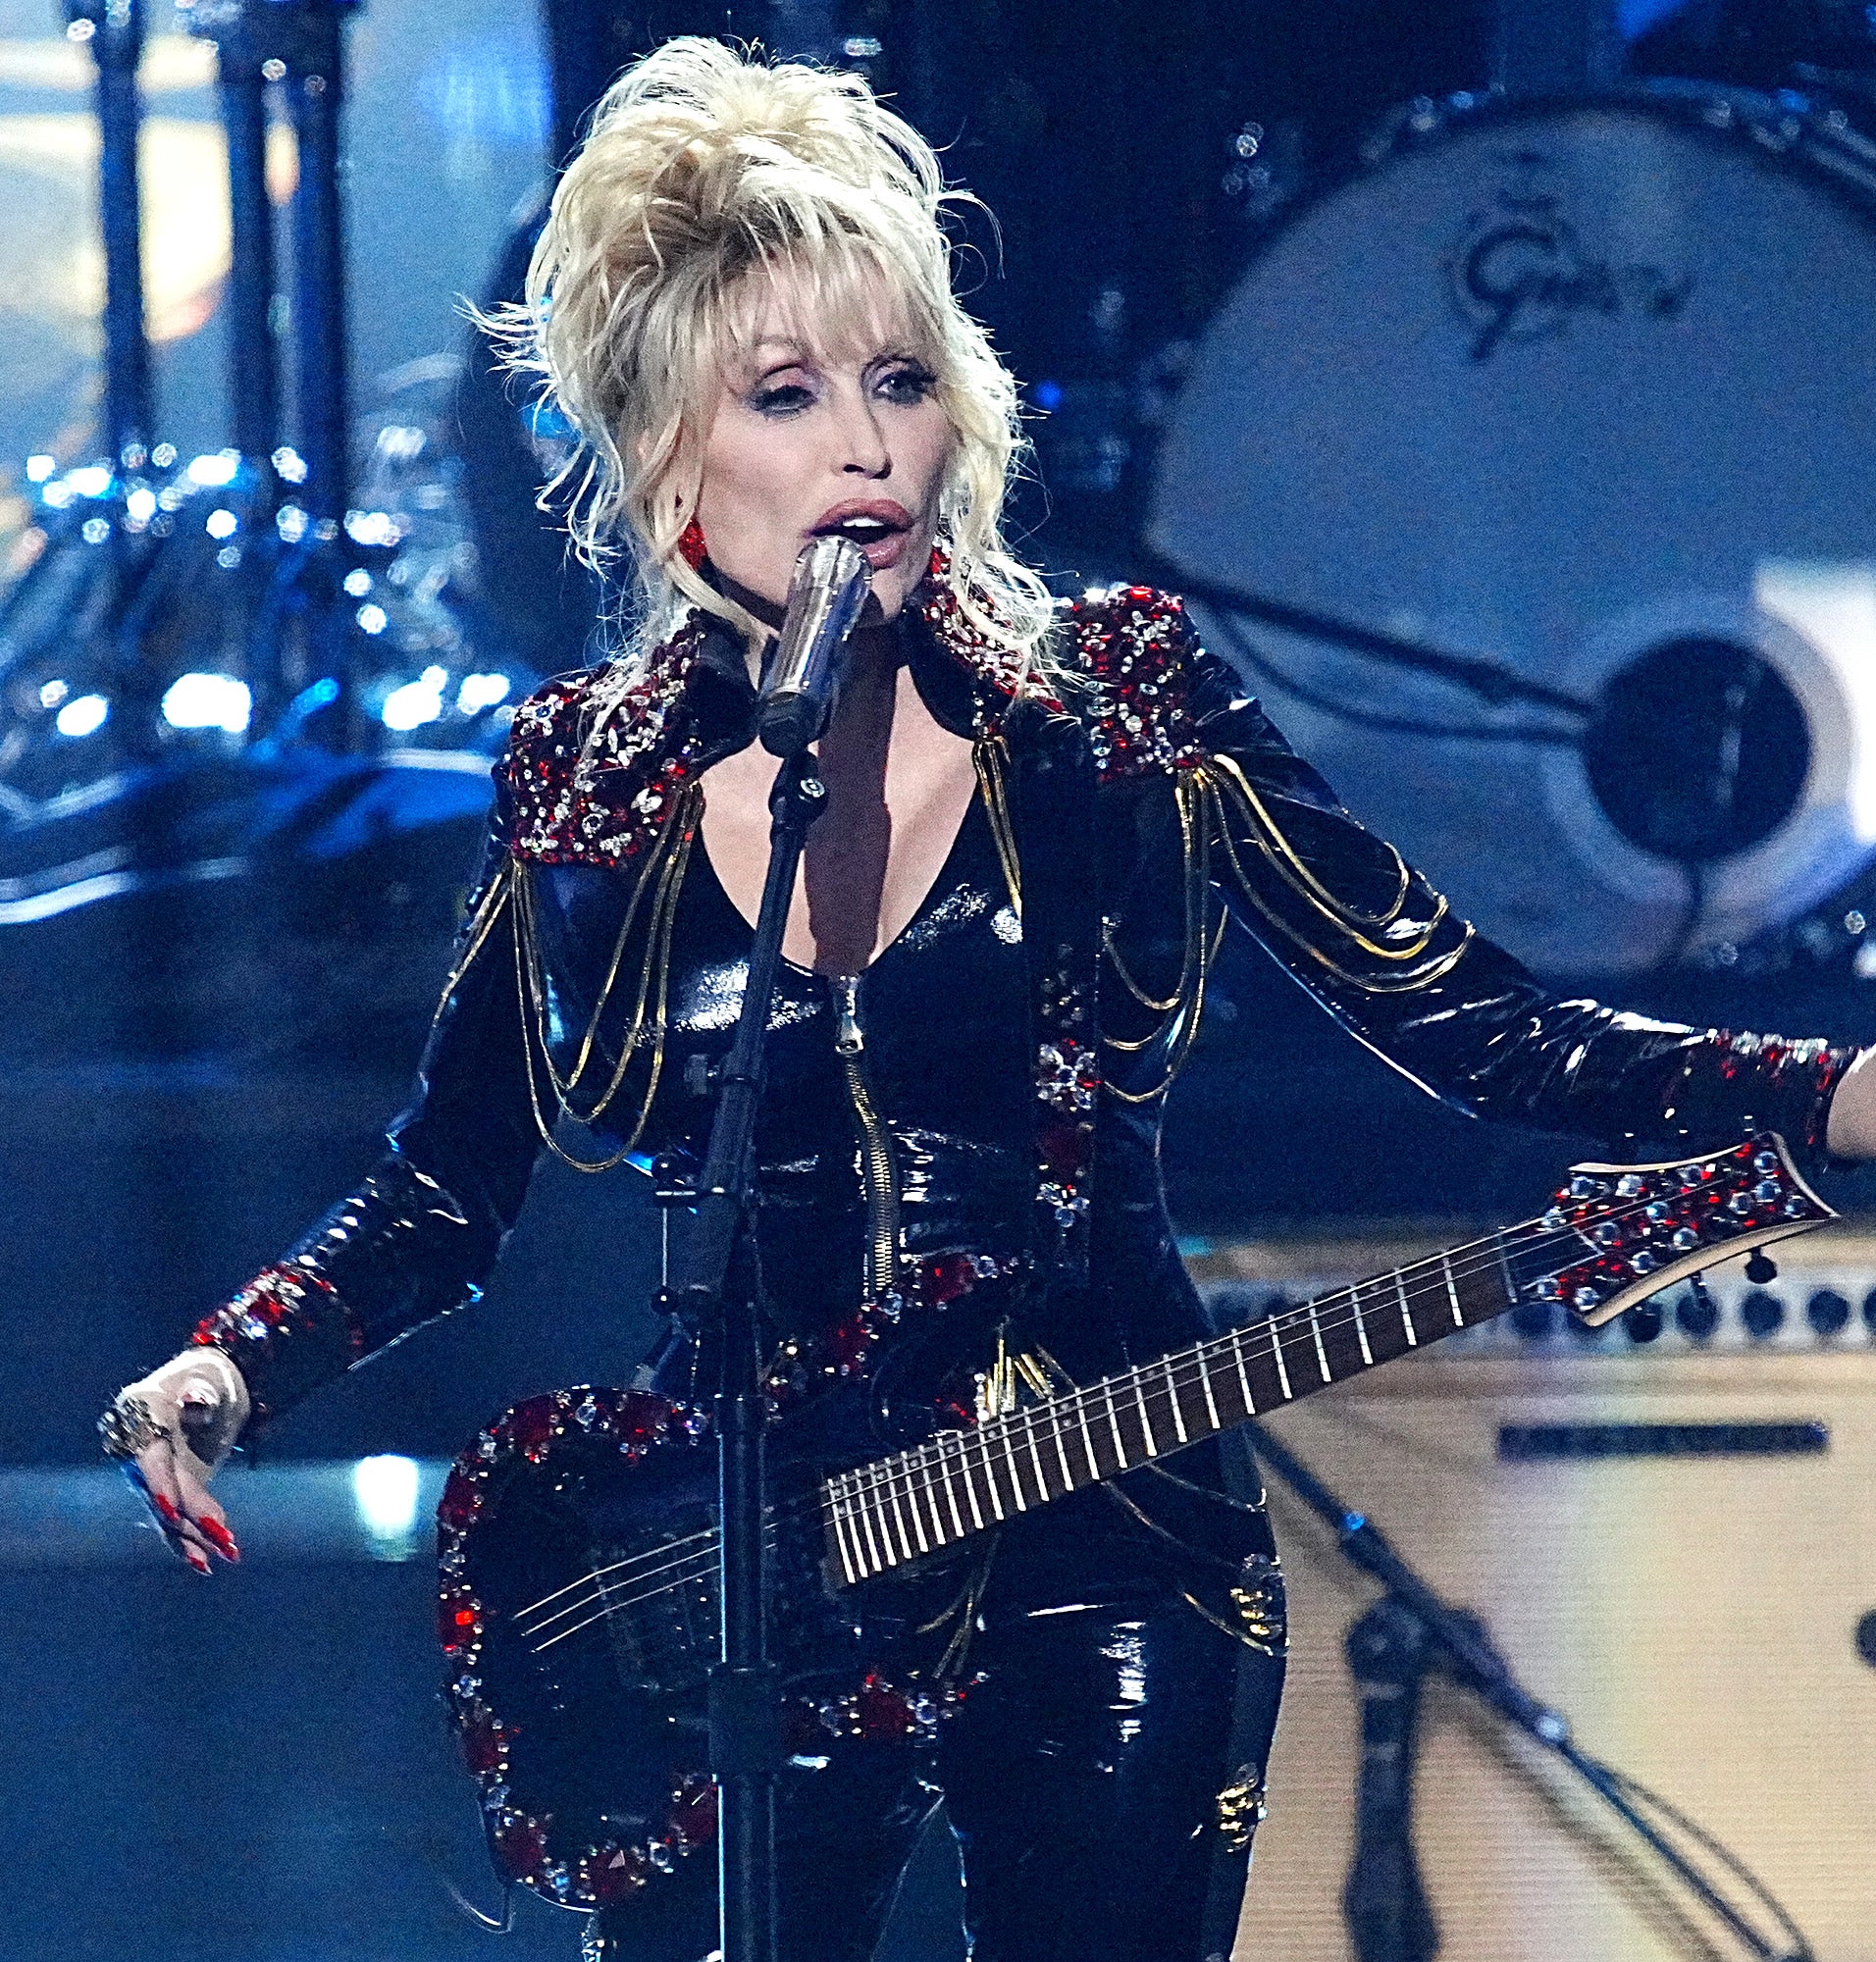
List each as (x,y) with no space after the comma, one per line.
(188,1078)
(258,1773)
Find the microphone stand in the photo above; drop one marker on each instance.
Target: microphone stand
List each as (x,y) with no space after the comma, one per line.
(720,1287)
(1391,1648)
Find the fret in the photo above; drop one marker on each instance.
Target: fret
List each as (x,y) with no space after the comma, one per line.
(1205,1383)
(1114,1424)
(971,1490)
(840,1541)
(1406,1315)
(1283,1374)
(873,1560)
(1146,1429)
(1219,1388)
(892,1494)
(1036,1456)
(990,1477)
(1244,1381)
(1484,1292)
(1429,1296)
(1452,1293)
(1499,1249)
(1087,1437)
(912,1503)
(1061,1454)
(1172,1396)
(1009,1453)
(951,1497)
(1361,1327)
(1321,1353)
(1509,1290)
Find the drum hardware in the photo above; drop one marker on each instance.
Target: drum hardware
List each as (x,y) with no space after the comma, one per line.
(1391,1649)
(246,594)
(1692,804)
(114,31)
(1492,682)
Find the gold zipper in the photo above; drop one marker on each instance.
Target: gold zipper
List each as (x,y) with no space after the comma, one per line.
(877,1170)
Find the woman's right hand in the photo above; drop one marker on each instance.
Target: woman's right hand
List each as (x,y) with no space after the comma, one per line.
(171,1430)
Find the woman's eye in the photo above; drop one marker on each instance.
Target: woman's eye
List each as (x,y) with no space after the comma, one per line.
(907,385)
(780,398)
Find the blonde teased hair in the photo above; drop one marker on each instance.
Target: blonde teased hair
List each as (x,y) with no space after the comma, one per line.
(702,166)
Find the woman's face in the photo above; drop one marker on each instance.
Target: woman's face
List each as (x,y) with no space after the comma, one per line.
(806,439)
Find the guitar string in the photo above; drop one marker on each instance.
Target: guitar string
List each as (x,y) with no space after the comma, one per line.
(1299,1316)
(608,1587)
(906,1474)
(707,1565)
(704,1560)
(901,1477)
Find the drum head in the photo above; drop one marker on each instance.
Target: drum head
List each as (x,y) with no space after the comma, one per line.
(1586,391)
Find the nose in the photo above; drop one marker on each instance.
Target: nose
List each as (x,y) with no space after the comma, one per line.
(864,449)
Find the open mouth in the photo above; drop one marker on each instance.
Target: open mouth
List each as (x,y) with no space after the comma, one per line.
(863,531)
(879,531)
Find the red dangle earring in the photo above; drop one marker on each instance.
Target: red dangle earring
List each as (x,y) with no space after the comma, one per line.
(690,545)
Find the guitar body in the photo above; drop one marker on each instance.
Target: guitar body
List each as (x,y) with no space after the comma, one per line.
(579,1616)
(578,1543)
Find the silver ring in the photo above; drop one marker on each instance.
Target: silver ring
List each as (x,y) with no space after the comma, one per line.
(127,1427)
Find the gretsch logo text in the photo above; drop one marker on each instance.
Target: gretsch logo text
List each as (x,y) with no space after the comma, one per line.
(1521,272)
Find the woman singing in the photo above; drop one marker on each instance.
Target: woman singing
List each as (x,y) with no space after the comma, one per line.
(1039,816)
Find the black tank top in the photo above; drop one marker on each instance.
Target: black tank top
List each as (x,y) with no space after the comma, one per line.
(897,1124)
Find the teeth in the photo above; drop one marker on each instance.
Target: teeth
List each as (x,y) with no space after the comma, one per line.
(863,529)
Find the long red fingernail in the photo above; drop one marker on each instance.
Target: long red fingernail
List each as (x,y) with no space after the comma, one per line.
(195,1560)
(220,1538)
(166,1507)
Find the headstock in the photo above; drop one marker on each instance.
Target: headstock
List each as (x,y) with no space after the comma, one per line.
(1616,1235)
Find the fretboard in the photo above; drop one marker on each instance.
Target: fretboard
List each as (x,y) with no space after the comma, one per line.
(902,1508)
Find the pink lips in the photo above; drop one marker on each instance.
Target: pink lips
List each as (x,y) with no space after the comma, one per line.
(884,549)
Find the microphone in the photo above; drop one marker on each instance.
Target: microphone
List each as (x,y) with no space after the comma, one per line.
(830,583)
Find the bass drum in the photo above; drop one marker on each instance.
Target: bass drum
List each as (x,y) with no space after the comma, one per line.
(1583,392)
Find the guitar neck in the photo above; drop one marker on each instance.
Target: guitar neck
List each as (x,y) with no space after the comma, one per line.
(898,1509)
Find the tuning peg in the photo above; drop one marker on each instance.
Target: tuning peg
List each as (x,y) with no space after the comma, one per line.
(1759,1270)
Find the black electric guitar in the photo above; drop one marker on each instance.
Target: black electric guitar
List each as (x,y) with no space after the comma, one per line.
(579,1549)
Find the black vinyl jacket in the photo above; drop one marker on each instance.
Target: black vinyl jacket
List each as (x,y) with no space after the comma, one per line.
(1120,822)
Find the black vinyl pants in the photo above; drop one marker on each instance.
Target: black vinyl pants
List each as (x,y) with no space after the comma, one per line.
(1082,1772)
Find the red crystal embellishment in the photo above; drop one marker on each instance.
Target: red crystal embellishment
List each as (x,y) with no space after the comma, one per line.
(880,1711)
(485,1741)
(694,1812)
(460,1503)
(522,1849)
(459,1621)
(612,1874)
